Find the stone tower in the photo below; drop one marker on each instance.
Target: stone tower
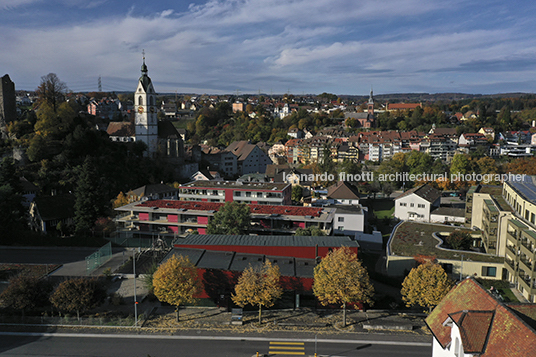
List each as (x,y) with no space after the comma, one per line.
(8,104)
(145,106)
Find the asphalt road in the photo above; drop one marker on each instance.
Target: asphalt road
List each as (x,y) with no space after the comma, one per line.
(70,345)
(43,255)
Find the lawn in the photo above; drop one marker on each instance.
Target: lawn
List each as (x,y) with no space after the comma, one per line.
(383,208)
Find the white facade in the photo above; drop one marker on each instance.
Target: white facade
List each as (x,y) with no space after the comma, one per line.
(145,112)
(349,221)
(455,348)
(413,208)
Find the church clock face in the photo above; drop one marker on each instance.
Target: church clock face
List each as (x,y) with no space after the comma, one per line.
(140,110)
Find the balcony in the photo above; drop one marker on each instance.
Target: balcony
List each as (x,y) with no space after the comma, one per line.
(510,265)
(525,264)
(527,285)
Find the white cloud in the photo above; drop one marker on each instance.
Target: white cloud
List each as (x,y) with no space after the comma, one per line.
(270,44)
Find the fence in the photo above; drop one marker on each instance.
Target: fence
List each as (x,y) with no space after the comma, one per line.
(98,258)
(71,320)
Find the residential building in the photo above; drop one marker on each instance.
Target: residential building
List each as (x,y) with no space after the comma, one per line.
(121,131)
(46,212)
(292,151)
(488,211)
(106,108)
(249,158)
(473,321)
(349,220)
(157,191)
(342,193)
(205,175)
(172,217)
(448,215)
(296,133)
(520,256)
(412,239)
(417,203)
(239,107)
(488,132)
(244,192)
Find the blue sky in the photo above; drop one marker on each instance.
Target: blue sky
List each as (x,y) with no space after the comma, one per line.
(273,46)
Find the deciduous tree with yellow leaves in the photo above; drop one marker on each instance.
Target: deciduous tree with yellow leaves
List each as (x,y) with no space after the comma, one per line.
(176,282)
(258,286)
(340,278)
(425,285)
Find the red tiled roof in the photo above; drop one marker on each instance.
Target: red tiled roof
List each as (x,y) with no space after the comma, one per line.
(215,206)
(501,333)
(474,328)
(402,106)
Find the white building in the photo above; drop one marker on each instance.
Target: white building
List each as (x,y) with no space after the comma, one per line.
(417,204)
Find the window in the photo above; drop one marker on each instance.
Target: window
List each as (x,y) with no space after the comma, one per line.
(489,271)
(140,100)
(420,205)
(412,205)
(532,218)
(237,194)
(403,204)
(341,228)
(341,219)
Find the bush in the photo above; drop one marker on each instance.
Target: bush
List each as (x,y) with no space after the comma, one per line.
(459,240)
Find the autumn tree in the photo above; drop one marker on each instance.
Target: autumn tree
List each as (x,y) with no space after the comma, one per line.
(425,285)
(51,91)
(258,286)
(79,294)
(120,200)
(340,279)
(25,293)
(231,218)
(176,282)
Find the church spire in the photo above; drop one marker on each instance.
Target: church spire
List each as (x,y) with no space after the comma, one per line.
(143,66)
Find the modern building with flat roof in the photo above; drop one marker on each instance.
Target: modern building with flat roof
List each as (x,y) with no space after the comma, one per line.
(173,217)
(307,247)
(520,256)
(257,193)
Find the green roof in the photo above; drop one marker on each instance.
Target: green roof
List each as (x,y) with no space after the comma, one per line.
(518,223)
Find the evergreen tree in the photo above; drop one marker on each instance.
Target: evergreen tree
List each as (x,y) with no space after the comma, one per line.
(88,206)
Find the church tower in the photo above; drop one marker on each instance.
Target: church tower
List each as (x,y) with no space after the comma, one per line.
(370,104)
(145,112)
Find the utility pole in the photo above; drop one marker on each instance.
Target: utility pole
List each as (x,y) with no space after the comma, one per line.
(135,298)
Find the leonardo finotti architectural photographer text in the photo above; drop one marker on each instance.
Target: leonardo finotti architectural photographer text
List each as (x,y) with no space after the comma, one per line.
(407,177)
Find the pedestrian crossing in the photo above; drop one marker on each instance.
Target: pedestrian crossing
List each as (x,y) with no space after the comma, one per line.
(287,348)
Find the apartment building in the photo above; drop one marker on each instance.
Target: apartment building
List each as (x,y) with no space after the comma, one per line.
(173,217)
(488,211)
(520,256)
(257,193)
